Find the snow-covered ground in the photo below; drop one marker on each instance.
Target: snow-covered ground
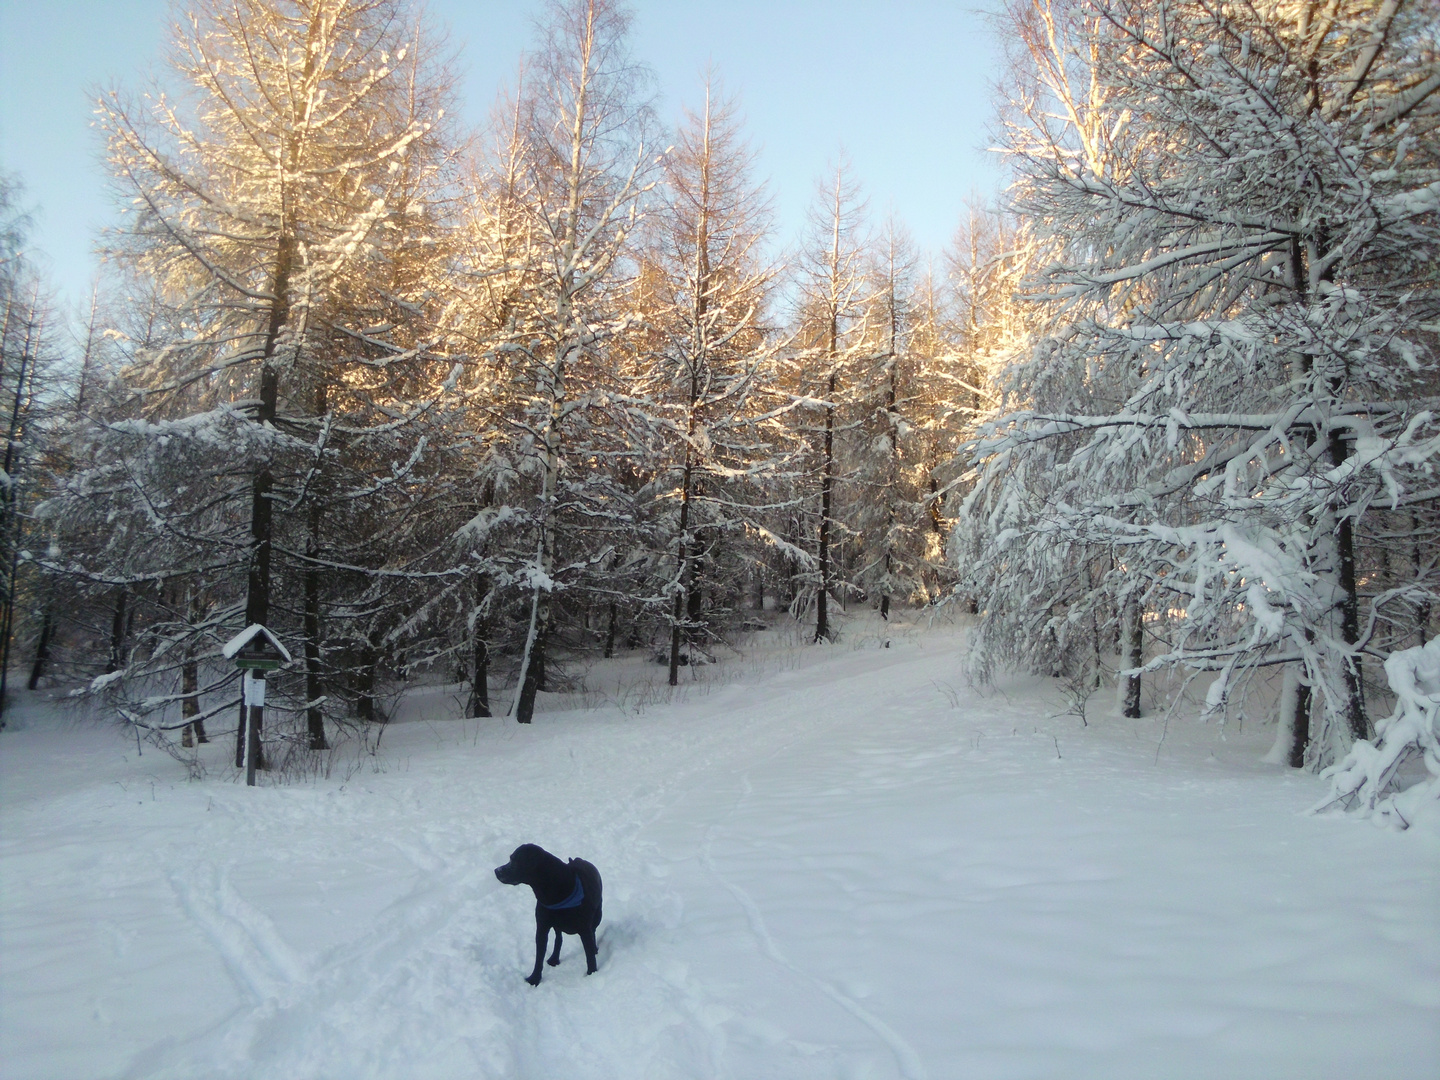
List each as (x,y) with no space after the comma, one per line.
(830,862)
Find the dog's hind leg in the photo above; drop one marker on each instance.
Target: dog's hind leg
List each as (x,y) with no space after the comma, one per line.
(555,956)
(587,939)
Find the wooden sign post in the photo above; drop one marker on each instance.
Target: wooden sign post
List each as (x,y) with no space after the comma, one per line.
(255,651)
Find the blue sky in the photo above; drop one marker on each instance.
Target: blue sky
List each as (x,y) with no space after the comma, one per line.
(902,86)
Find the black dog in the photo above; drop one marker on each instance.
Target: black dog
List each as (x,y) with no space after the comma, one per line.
(567,900)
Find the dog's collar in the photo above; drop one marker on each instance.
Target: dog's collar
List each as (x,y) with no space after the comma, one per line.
(575,899)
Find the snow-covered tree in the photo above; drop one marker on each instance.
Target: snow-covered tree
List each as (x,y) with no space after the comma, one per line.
(705,357)
(916,403)
(1232,395)
(587,161)
(985,263)
(882,510)
(285,204)
(832,289)
(28,357)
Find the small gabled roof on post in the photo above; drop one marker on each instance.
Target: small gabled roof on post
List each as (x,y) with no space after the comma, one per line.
(246,636)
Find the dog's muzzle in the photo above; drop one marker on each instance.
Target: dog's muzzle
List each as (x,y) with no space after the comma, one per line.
(505,874)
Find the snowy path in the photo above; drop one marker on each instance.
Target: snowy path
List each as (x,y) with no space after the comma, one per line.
(829,872)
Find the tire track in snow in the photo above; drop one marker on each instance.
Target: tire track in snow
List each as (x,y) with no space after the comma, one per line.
(911,1067)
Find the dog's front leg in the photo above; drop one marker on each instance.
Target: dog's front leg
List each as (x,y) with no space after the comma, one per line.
(587,939)
(555,956)
(542,931)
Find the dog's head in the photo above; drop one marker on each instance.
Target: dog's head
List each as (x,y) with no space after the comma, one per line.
(524,861)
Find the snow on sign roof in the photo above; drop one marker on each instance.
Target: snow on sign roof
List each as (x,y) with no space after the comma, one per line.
(240,640)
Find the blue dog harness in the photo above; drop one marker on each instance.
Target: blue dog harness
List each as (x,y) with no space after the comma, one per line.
(575,899)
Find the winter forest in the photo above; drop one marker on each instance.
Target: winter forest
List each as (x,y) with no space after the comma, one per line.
(429,402)
(589,513)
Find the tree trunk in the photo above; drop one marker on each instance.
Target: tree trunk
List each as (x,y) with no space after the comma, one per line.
(117,634)
(257,590)
(1355,718)
(194,730)
(365,679)
(314,716)
(1135,641)
(42,647)
(569,337)
(540,658)
(479,704)
(892,421)
(257,596)
(7,632)
(827,485)
(1283,751)
(534,675)
(1304,257)
(610,633)
(1299,724)
(686,572)
(684,569)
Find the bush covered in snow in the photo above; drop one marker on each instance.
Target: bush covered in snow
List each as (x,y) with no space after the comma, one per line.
(1371,776)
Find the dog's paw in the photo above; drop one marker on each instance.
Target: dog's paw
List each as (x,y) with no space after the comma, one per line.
(533,980)
(553,962)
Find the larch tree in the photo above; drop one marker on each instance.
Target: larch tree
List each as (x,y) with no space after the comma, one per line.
(28,357)
(272,202)
(67,607)
(832,287)
(588,161)
(706,355)
(497,278)
(911,414)
(882,513)
(985,263)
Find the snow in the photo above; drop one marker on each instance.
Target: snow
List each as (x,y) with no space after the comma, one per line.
(833,861)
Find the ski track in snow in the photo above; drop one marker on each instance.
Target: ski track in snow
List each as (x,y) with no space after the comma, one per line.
(253,950)
(834,870)
(905,1056)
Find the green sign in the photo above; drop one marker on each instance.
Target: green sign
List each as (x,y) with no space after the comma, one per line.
(257,663)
